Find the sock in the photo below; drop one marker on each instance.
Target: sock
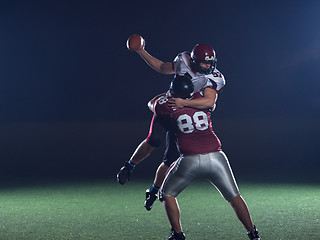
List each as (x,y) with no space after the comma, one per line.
(131,165)
(154,189)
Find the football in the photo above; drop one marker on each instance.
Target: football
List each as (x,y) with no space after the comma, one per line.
(135,42)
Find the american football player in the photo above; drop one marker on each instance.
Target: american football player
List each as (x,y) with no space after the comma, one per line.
(200,66)
(201,157)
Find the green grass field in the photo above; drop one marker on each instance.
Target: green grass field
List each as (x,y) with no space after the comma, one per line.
(106,210)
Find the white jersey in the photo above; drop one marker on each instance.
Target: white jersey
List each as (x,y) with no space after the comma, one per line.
(181,66)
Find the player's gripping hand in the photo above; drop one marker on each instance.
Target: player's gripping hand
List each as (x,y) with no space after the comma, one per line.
(176,103)
(125,172)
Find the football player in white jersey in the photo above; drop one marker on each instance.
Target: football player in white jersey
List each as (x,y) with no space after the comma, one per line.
(200,66)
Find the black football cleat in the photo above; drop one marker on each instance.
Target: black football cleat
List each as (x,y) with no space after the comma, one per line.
(254,235)
(176,236)
(124,174)
(150,199)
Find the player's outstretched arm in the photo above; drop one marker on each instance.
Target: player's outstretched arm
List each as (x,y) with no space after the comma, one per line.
(156,64)
(207,101)
(137,44)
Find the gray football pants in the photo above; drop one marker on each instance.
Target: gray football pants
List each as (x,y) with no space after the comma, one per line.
(213,166)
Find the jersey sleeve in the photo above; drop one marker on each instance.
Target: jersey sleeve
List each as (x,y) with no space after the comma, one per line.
(181,64)
(161,108)
(216,81)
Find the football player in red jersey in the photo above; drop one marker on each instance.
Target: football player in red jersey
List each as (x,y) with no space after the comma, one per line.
(201,157)
(200,66)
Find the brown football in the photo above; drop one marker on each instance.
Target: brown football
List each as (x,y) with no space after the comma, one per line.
(134,42)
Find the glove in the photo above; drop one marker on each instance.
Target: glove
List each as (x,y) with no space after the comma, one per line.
(124,173)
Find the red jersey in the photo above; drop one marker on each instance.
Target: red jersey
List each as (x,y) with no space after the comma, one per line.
(192,127)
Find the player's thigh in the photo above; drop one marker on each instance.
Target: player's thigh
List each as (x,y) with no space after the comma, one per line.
(157,132)
(180,175)
(221,175)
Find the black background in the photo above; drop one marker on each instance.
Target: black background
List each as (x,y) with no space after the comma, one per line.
(73,98)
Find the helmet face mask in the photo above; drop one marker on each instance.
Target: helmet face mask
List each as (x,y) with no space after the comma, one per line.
(203,53)
(196,65)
